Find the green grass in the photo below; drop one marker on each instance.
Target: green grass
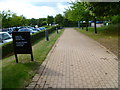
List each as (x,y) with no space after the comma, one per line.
(19,75)
(107,36)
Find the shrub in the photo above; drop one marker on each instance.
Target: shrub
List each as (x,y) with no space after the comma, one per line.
(116,19)
(46,26)
(58,26)
(7,49)
(37,36)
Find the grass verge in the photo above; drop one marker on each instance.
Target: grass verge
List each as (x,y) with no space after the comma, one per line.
(19,75)
(107,36)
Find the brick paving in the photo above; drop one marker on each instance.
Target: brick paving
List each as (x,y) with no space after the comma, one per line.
(76,61)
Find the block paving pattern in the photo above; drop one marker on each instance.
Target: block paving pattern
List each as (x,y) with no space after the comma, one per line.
(76,61)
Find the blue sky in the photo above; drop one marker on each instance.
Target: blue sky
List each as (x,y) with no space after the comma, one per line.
(50,4)
(35,8)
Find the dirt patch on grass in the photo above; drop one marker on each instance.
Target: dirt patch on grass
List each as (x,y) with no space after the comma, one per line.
(106,36)
(110,43)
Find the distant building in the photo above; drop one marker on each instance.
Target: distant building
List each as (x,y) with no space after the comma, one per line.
(98,23)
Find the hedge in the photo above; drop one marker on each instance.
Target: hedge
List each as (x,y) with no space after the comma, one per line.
(7,48)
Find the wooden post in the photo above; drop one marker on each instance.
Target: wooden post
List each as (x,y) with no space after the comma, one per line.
(16,58)
(32,57)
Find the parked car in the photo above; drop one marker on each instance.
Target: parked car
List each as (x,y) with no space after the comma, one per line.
(5,30)
(36,29)
(42,28)
(5,37)
(31,27)
(10,30)
(27,30)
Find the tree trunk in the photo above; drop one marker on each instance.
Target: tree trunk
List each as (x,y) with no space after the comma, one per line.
(86,25)
(78,24)
(95,29)
(82,24)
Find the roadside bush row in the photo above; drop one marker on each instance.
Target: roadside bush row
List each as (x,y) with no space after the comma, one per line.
(7,48)
(41,34)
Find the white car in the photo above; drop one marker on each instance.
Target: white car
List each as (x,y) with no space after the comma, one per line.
(5,37)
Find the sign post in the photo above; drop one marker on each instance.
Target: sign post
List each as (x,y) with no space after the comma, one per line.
(22,44)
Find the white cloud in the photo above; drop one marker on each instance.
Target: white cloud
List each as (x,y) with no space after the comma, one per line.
(46,0)
(62,7)
(24,7)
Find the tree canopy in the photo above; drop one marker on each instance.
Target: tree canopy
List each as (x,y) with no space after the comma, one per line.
(10,19)
(59,19)
(83,10)
(50,19)
(87,11)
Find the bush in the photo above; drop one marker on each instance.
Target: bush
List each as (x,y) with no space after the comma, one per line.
(58,26)
(84,24)
(46,26)
(37,36)
(116,19)
(43,23)
(113,29)
(7,48)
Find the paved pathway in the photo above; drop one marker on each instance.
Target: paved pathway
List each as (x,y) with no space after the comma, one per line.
(77,61)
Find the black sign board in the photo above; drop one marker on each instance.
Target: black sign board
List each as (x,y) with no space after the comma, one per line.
(22,44)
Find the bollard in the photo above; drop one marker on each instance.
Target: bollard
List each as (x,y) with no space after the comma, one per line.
(57,30)
(47,35)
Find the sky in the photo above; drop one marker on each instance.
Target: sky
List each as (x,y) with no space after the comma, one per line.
(35,8)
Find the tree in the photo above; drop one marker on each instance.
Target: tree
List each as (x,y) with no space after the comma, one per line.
(78,12)
(6,15)
(59,19)
(38,22)
(69,23)
(10,19)
(24,21)
(101,9)
(33,21)
(42,21)
(73,13)
(85,11)
(50,20)
(16,20)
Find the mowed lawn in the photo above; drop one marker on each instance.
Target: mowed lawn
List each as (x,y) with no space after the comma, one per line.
(19,75)
(107,36)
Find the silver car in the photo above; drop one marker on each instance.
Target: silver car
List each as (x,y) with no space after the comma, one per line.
(5,37)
